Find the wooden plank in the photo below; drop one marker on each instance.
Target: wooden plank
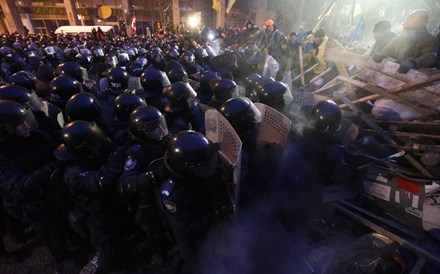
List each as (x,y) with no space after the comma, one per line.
(384,93)
(347,58)
(348,87)
(406,135)
(402,88)
(333,82)
(389,67)
(370,122)
(301,66)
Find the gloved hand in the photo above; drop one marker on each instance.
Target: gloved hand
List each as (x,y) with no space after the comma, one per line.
(378,57)
(116,160)
(40,177)
(405,66)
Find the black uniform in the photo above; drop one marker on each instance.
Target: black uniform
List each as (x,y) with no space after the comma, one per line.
(25,177)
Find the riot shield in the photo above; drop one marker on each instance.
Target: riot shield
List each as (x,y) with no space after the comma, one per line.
(194,84)
(226,61)
(205,107)
(220,131)
(274,126)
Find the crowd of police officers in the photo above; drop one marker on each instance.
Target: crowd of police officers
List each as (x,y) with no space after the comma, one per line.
(102,145)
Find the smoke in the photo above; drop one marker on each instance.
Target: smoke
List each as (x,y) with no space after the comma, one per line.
(255,243)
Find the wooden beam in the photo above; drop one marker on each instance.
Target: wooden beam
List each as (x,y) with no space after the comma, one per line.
(346,58)
(384,93)
(405,135)
(399,89)
(370,122)
(333,82)
(348,87)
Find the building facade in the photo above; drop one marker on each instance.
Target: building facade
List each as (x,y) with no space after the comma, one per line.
(43,16)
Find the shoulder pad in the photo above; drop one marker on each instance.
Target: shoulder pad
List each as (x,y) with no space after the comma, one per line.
(167,188)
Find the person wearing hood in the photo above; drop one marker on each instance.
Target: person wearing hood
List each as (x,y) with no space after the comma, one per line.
(382,35)
(247,33)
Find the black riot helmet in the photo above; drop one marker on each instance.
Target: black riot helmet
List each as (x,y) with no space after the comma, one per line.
(72,69)
(325,117)
(117,80)
(125,103)
(251,80)
(154,80)
(15,93)
(200,54)
(272,94)
(242,114)
(83,106)
(224,89)
(191,155)
(12,114)
(251,49)
(177,74)
(24,79)
(181,96)
(98,52)
(82,140)
(187,58)
(172,64)
(173,54)
(208,80)
(62,88)
(261,82)
(147,123)
(7,53)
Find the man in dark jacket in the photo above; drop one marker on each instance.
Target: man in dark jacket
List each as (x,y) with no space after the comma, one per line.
(382,34)
(414,47)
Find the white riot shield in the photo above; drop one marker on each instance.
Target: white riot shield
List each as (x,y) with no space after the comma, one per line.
(271,67)
(134,83)
(220,131)
(194,84)
(274,126)
(205,107)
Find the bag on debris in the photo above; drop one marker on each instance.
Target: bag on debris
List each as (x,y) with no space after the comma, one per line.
(372,253)
(271,67)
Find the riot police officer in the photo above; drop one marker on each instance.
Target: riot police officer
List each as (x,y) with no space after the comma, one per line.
(191,193)
(223,90)
(154,82)
(83,106)
(258,162)
(149,137)
(318,161)
(207,81)
(183,111)
(27,163)
(91,175)
(125,103)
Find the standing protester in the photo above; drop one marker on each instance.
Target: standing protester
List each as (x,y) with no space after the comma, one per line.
(414,47)
(269,38)
(382,35)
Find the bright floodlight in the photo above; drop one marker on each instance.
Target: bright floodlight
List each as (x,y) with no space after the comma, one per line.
(193,22)
(211,36)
